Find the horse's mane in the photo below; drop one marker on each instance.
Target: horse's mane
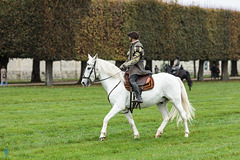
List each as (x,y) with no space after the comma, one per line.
(110,69)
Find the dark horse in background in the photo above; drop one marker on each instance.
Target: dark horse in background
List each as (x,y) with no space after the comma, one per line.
(181,73)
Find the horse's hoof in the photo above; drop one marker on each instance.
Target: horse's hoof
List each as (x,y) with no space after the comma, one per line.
(158,136)
(136,136)
(186,134)
(102,138)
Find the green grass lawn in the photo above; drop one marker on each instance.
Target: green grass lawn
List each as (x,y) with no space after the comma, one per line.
(64,122)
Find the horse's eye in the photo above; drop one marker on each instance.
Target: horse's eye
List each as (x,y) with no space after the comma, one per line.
(88,68)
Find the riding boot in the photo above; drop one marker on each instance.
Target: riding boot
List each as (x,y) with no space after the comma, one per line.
(137,92)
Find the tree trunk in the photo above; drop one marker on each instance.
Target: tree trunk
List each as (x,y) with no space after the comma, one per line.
(3,62)
(49,73)
(194,68)
(83,66)
(148,65)
(224,75)
(200,70)
(36,71)
(119,63)
(234,71)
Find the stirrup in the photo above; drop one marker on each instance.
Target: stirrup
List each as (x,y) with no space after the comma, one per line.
(134,102)
(137,101)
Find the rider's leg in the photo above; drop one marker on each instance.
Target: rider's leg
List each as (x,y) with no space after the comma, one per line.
(132,80)
(174,70)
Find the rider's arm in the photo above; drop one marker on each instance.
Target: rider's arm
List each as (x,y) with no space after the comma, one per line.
(137,54)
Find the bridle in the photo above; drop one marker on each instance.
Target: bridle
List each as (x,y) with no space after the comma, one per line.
(93,69)
(95,76)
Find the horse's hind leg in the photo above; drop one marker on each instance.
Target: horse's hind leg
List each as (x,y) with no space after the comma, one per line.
(183,114)
(131,122)
(166,116)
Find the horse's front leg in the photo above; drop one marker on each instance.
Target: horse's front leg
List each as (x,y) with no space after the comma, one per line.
(111,114)
(131,122)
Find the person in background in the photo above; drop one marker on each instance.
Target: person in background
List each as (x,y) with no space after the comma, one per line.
(156,69)
(3,76)
(176,65)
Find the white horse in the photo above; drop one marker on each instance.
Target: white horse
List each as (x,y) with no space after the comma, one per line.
(166,88)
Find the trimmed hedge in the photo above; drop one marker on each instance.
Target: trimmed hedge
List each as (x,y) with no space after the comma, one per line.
(189,32)
(43,30)
(100,31)
(72,29)
(166,31)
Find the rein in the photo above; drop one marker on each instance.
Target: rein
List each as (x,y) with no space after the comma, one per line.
(113,90)
(110,94)
(107,77)
(94,69)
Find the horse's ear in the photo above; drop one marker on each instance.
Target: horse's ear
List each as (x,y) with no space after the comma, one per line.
(89,57)
(96,56)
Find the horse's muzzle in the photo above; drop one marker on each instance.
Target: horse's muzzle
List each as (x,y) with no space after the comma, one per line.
(85,82)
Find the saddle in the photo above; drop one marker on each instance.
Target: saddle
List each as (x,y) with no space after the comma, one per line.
(145,82)
(176,72)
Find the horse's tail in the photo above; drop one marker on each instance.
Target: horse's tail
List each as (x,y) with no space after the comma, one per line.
(189,81)
(190,111)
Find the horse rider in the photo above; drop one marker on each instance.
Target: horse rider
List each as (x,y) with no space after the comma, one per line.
(176,65)
(135,63)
